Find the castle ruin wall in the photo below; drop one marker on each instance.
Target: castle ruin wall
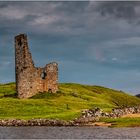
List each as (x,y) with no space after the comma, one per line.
(31,80)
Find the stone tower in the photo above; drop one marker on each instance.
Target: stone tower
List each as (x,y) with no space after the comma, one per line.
(29,79)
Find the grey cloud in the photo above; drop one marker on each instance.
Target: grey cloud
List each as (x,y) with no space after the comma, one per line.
(121,10)
(3,4)
(71,18)
(73,7)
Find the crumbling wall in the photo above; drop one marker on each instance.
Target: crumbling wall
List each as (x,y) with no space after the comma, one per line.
(29,79)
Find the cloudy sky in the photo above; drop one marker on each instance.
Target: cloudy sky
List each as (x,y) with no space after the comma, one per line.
(95,43)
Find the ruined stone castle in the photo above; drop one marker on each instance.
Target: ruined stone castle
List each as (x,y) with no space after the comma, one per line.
(31,80)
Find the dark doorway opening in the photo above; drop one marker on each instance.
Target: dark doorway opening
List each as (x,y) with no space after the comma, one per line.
(50,90)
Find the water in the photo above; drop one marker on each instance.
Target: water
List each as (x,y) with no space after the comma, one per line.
(69,133)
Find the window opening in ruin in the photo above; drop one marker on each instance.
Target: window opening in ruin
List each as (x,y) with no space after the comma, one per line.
(43,75)
(20,43)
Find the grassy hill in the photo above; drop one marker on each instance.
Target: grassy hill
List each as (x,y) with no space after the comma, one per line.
(66,104)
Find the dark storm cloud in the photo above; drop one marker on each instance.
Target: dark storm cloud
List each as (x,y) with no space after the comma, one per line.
(126,10)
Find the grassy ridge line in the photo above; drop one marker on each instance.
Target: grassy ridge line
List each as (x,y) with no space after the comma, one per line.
(66,104)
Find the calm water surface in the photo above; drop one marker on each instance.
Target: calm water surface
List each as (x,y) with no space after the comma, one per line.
(69,133)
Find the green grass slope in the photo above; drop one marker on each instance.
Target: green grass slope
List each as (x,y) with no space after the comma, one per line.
(66,104)
(122,122)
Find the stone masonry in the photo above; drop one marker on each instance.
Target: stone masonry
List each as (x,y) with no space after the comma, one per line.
(29,79)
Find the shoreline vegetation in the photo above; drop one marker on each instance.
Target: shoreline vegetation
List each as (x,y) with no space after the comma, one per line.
(67,107)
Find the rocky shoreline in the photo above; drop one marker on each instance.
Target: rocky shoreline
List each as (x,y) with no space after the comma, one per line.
(34,122)
(88,117)
(115,113)
(47,122)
